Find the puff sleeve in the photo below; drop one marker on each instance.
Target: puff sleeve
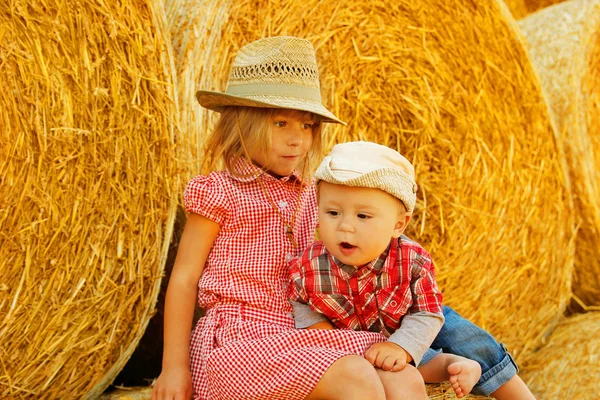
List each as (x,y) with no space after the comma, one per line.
(206,195)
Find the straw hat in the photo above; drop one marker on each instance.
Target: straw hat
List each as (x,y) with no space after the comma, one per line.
(274,72)
(370,165)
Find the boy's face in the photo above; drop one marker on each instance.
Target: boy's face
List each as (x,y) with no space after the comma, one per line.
(357,224)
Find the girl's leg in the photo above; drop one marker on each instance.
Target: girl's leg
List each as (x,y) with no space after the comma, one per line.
(406,384)
(462,373)
(514,389)
(349,378)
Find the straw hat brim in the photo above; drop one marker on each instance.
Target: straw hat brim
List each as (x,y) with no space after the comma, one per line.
(217,101)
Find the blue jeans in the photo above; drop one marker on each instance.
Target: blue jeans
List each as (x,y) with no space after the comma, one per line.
(463,338)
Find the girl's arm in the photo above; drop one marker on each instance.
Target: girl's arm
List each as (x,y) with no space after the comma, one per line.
(196,241)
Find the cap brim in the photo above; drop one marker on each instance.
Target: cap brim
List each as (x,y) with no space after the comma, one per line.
(217,101)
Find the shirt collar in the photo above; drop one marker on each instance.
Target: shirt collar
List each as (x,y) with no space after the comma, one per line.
(375,266)
(244,171)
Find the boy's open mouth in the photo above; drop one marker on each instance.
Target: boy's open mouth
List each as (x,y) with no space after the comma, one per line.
(347,246)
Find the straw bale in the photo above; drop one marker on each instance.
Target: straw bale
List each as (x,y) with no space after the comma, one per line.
(564,43)
(568,366)
(450,85)
(190,20)
(88,189)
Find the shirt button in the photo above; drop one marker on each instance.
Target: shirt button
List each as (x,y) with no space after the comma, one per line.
(283,204)
(288,257)
(394,303)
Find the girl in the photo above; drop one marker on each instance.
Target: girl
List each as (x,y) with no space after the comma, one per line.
(245,223)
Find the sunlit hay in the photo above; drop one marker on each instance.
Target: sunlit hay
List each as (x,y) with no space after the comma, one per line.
(568,366)
(195,27)
(88,189)
(564,44)
(450,85)
(444,391)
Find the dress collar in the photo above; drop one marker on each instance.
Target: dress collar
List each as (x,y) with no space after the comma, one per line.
(244,171)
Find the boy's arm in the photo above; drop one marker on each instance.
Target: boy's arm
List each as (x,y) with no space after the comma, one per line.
(425,319)
(417,332)
(304,317)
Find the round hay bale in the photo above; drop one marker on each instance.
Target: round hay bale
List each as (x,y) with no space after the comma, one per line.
(568,366)
(450,85)
(88,189)
(564,43)
(195,27)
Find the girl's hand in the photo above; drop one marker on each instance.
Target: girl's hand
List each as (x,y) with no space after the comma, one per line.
(173,384)
(388,356)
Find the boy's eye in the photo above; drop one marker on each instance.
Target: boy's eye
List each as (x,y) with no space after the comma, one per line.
(363,216)
(333,213)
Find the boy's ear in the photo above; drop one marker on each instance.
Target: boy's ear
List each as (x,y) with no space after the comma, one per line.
(401,225)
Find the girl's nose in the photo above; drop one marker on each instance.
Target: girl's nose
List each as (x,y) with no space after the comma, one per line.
(295,137)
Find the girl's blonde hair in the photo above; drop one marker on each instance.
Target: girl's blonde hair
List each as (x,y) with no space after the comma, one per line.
(241,131)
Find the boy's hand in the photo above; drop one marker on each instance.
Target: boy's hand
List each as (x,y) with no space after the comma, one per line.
(388,356)
(175,384)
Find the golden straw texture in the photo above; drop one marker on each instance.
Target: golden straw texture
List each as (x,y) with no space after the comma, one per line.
(568,366)
(564,42)
(88,189)
(450,85)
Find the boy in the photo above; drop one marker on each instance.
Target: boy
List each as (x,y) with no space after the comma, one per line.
(365,274)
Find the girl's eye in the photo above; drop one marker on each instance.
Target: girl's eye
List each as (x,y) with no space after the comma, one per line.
(308,126)
(280,124)
(363,216)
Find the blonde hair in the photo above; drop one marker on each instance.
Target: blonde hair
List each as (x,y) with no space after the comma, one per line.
(241,131)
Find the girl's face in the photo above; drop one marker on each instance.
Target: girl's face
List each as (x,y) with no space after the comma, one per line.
(291,139)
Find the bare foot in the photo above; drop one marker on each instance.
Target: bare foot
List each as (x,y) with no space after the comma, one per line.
(464,374)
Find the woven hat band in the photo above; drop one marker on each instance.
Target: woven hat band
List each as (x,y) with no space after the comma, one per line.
(299,92)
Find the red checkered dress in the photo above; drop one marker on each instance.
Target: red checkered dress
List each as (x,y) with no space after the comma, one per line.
(246,347)
(374,297)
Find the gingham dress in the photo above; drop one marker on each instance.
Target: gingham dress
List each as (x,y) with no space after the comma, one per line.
(246,347)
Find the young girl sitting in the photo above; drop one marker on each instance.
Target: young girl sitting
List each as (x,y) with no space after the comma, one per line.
(246,221)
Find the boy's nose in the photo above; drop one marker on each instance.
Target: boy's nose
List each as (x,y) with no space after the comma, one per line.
(346,226)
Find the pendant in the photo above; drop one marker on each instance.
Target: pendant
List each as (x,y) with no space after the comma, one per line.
(290,234)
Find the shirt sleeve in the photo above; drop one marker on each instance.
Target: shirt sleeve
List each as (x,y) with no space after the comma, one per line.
(204,195)
(417,332)
(304,316)
(296,288)
(425,293)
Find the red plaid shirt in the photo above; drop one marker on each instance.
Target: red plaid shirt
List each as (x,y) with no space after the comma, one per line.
(373,297)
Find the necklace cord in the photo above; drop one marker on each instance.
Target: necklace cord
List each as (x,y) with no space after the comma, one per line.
(289,227)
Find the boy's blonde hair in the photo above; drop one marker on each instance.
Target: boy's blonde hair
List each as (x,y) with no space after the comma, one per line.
(241,131)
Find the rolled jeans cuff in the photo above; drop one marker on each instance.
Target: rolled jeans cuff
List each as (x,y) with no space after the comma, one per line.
(496,376)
